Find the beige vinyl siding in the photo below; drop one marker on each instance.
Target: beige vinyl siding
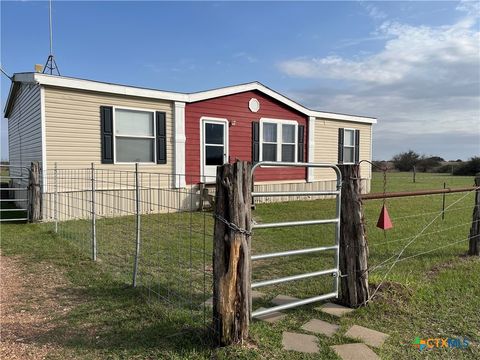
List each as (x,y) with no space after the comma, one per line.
(73,135)
(25,132)
(326,148)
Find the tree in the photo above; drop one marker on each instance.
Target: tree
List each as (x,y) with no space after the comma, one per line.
(405,161)
(428,163)
(470,167)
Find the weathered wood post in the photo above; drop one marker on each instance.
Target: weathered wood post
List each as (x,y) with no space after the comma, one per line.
(353,242)
(231,254)
(474,241)
(35,195)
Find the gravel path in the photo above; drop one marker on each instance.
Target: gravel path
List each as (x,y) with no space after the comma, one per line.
(33,302)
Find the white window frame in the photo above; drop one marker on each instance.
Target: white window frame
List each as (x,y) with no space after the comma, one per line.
(279,123)
(154,137)
(349,146)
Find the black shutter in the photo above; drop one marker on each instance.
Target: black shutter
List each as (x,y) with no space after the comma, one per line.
(357,146)
(301,143)
(340,145)
(161,137)
(106,127)
(255,142)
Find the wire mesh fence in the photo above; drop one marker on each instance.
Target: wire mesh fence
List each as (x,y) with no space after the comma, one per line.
(140,230)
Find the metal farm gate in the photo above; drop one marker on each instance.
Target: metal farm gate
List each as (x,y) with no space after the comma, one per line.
(335,248)
(15,194)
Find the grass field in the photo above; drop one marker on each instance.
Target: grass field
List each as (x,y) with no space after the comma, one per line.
(436,294)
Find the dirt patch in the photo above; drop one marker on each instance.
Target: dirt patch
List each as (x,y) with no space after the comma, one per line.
(391,292)
(32,301)
(434,271)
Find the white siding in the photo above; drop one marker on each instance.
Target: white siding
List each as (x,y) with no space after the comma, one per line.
(326,149)
(73,136)
(25,130)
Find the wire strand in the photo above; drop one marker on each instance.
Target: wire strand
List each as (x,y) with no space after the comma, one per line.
(413,240)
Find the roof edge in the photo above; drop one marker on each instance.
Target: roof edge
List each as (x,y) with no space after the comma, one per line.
(91,85)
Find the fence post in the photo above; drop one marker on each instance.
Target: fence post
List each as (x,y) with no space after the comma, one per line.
(353,243)
(414,173)
(35,193)
(137,236)
(231,254)
(55,196)
(94,216)
(474,245)
(443,201)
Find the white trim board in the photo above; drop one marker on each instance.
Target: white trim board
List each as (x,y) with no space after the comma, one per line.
(179,146)
(311,148)
(44,141)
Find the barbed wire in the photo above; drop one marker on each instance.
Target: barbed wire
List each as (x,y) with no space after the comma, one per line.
(425,234)
(431,250)
(413,240)
(432,212)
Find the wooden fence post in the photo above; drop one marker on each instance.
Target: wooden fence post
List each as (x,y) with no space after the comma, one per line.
(231,254)
(474,245)
(353,243)
(35,196)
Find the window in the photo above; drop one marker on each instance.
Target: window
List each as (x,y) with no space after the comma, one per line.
(278,141)
(134,136)
(288,143)
(214,143)
(349,146)
(269,145)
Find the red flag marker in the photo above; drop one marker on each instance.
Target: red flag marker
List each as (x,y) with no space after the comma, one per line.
(384,221)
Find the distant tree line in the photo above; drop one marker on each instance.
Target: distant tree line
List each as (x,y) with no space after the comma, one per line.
(406,161)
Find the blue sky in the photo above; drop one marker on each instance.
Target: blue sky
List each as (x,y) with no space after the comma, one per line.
(414,65)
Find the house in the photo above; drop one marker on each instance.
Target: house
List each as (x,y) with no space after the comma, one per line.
(73,122)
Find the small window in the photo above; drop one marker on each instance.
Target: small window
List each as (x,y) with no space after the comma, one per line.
(349,146)
(269,146)
(134,136)
(288,143)
(279,141)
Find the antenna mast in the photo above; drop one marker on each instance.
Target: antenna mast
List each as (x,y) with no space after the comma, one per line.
(51,64)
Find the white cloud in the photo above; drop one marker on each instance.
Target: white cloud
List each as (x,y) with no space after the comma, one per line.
(243,55)
(425,80)
(373,11)
(409,49)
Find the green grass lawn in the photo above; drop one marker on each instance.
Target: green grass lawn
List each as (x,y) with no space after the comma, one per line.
(436,294)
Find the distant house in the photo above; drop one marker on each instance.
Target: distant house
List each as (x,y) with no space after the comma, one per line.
(74,122)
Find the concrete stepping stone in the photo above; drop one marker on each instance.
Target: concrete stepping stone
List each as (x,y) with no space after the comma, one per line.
(334,309)
(256,295)
(271,317)
(299,342)
(355,352)
(368,336)
(283,299)
(321,327)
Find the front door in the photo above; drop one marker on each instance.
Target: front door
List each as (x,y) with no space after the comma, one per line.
(214,147)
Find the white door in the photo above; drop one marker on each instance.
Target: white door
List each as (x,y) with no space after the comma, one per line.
(214,147)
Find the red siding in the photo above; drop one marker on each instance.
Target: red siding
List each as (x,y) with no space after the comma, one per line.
(235,108)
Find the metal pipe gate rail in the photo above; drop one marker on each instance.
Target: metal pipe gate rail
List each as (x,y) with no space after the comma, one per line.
(23,177)
(336,221)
